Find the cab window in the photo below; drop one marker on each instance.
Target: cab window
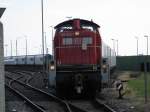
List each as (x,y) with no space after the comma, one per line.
(87,40)
(67,41)
(62,29)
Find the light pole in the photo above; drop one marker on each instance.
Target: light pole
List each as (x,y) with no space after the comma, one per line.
(6,45)
(147,42)
(145,74)
(26,44)
(52,40)
(42,33)
(137,45)
(113,44)
(117,47)
(26,47)
(116,52)
(11,47)
(16,48)
(45,43)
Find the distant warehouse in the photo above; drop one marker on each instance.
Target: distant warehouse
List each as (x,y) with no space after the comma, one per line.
(135,63)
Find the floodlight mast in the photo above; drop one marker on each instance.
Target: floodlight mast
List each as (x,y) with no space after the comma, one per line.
(42,35)
(137,45)
(146,70)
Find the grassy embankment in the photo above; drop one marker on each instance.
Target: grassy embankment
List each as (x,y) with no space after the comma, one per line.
(137,85)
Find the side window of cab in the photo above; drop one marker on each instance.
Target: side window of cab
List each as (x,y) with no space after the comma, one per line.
(87,40)
(67,41)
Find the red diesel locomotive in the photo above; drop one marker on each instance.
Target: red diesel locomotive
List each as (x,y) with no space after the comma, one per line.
(78,58)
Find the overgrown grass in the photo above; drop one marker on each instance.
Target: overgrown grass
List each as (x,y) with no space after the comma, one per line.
(138,85)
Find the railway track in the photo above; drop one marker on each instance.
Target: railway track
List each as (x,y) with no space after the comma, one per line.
(91,106)
(27,75)
(33,106)
(23,77)
(38,98)
(49,102)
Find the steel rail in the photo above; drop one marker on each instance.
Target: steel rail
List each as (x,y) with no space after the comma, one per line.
(105,107)
(31,104)
(27,73)
(24,73)
(75,108)
(99,106)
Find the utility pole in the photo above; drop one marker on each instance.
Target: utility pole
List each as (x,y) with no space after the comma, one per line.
(47,50)
(26,45)
(137,44)
(11,47)
(42,34)
(145,70)
(116,52)
(117,48)
(16,48)
(52,41)
(6,45)
(26,49)
(46,61)
(45,43)
(113,44)
(147,43)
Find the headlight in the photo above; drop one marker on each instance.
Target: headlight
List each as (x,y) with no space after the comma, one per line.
(104,66)
(52,67)
(94,67)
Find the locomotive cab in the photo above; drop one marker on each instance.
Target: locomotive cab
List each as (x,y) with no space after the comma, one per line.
(80,36)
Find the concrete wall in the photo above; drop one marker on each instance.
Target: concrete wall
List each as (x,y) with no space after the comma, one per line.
(2,89)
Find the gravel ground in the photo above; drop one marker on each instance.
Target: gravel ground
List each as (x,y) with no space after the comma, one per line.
(110,97)
(130,102)
(38,82)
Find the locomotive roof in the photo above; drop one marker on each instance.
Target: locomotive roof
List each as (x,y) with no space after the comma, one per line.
(82,21)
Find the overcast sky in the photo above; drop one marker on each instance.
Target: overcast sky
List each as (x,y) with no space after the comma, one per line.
(119,19)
